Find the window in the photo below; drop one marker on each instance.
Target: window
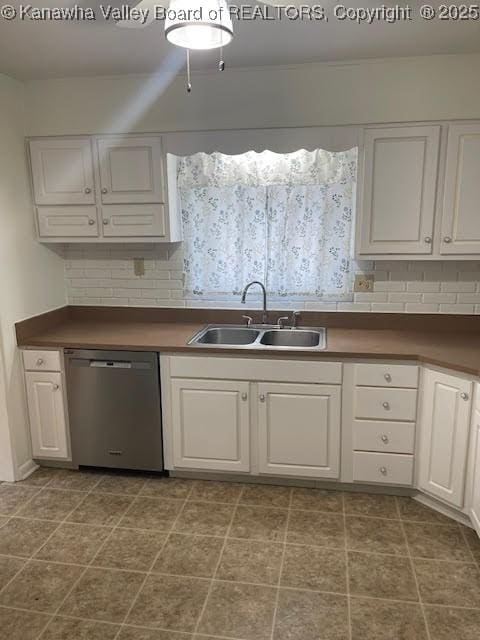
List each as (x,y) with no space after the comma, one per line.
(283,219)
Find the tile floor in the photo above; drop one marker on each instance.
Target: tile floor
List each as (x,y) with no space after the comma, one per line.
(85,555)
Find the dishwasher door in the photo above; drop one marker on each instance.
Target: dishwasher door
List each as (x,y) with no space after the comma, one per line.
(114,409)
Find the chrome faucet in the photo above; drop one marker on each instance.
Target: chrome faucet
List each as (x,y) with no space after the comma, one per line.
(244,295)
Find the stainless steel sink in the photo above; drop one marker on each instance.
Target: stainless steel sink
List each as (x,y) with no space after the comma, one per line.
(227,336)
(299,338)
(260,337)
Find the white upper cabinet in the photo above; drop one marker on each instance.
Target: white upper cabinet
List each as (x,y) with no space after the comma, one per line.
(397,190)
(460,233)
(299,429)
(131,170)
(445,427)
(62,171)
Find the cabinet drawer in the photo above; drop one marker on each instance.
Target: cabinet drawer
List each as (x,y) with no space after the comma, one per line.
(384,468)
(387,375)
(385,404)
(42,360)
(389,437)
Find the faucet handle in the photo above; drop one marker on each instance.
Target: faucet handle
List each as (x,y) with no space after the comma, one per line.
(248,320)
(282,321)
(295,316)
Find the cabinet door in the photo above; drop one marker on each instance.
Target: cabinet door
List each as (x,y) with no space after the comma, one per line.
(398,190)
(133,220)
(67,222)
(131,170)
(475,504)
(461,211)
(47,415)
(445,426)
(299,430)
(211,424)
(62,171)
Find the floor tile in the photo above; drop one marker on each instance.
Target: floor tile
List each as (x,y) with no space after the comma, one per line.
(39,478)
(71,629)
(448,583)
(316,568)
(317,499)
(137,633)
(239,611)
(130,549)
(375,535)
(21,625)
(438,542)
(21,537)
(415,511)
(101,509)
(206,490)
(13,497)
(259,523)
(380,576)
(305,615)
(266,495)
(103,594)
(176,488)
(3,520)
(151,513)
(186,555)
(370,504)
(51,504)
(8,568)
(251,561)
(74,480)
(473,542)
(170,602)
(380,620)
(446,623)
(321,529)
(40,586)
(122,483)
(204,518)
(76,543)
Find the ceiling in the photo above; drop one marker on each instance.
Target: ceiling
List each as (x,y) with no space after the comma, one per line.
(33,49)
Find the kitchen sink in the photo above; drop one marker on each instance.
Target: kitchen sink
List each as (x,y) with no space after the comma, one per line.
(228,336)
(260,337)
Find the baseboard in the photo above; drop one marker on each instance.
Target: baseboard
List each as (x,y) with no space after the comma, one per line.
(26,469)
(444,509)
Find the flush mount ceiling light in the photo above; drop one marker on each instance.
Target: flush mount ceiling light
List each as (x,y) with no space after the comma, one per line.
(198,24)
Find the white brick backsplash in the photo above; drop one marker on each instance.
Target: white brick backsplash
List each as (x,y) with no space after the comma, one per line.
(105,276)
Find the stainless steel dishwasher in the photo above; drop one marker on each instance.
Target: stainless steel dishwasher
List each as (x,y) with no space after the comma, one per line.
(114,409)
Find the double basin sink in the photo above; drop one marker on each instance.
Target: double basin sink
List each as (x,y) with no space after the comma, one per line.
(260,337)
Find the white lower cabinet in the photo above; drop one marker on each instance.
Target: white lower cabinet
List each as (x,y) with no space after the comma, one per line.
(474,510)
(445,423)
(299,429)
(46,408)
(211,424)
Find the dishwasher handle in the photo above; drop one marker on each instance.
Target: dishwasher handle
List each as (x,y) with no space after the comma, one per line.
(110,364)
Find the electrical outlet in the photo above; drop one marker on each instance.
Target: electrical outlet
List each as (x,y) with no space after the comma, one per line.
(139,266)
(363,282)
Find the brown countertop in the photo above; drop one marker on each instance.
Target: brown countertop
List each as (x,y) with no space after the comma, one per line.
(452,347)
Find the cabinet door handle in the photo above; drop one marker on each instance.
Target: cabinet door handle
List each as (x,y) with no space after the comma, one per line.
(464,396)
(91,222)
(383,471)
(104,190)
(385,438)
(106,221)
(40,361)
(56,387)
(244,396)
(262,397)
(386,405)
(428,239)
(388,377)
(447,239)
(88,190)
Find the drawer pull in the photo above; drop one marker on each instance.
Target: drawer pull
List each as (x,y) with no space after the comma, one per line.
(464,396)
(40,361)
(383,471)
(385,439)
(244,396)
(386,405)
(388,377)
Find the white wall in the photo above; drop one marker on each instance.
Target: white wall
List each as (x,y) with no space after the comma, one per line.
(31,276)
(408,89)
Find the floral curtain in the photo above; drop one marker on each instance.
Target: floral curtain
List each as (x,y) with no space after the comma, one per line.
(284,219)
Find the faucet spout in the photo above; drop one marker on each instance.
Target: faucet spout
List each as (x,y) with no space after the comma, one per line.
(264,292)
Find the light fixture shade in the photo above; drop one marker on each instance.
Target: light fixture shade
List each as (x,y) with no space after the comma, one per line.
(198,24)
